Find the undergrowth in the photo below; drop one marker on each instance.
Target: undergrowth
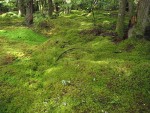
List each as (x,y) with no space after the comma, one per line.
(72,71)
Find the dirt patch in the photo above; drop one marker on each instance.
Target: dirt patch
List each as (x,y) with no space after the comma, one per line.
(98,32)
(101,32)
(7,59)
(109,33)
(94,31)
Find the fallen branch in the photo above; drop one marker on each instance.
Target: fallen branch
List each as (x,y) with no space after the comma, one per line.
(68,50)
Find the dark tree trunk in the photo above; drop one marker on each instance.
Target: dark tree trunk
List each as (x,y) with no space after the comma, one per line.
(36,6)
(142,19)
(57,7)
(29,12)
(121,17)
(132,17)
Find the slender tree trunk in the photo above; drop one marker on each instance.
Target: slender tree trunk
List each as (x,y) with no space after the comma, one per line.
(29,12)
(121,17)
(57,8)
(50,7)
(67,9)
(142,19)
(41,6)
(21,8)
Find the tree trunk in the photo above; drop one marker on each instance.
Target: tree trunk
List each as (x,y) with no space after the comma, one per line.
(41,6)
(36,6)
(142,19)
(57,8)
(131,8)
(29,12)
(121,17)
(50,8)
(21,8)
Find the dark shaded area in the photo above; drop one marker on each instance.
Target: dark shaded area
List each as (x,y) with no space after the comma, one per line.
(101,32)
(147,33)
(3,9)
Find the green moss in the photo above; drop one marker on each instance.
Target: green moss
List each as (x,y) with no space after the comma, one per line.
(23,34)
(96,76)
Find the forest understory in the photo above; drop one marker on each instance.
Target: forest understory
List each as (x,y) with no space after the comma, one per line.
(68,65)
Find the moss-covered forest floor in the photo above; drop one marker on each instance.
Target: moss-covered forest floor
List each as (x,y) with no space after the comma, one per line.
(66,65)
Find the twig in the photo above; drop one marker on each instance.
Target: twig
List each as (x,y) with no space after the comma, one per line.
(65,53)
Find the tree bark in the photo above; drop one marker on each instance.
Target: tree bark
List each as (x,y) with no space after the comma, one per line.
(50,8)
(29,12)
(142,19)
(121,17)
(131,8)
